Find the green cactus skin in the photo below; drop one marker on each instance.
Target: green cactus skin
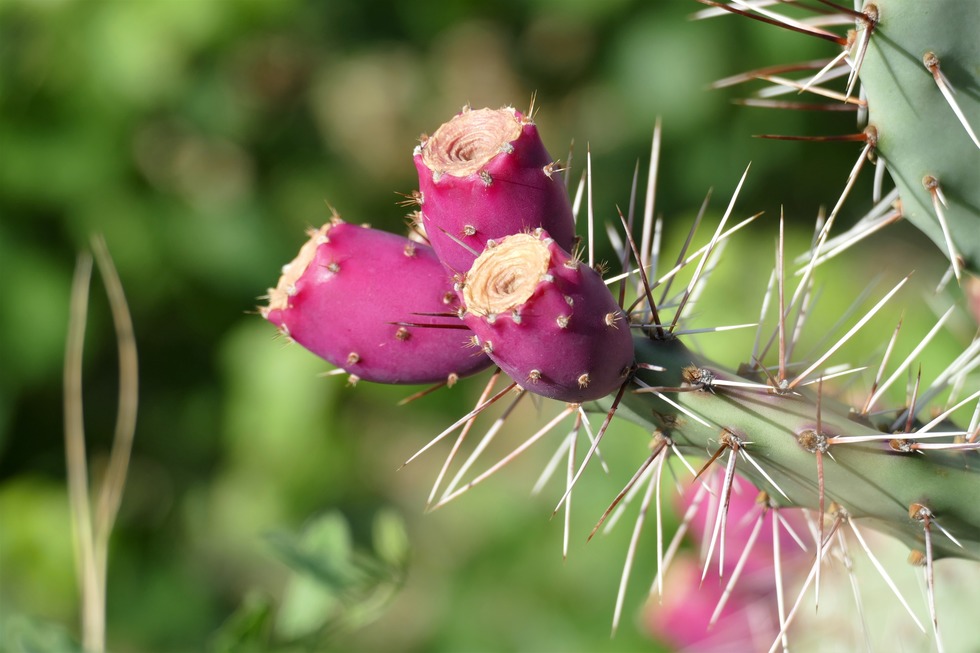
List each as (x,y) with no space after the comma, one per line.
(870,481)
(918,134)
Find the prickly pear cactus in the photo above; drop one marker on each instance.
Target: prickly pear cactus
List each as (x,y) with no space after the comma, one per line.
(550,322)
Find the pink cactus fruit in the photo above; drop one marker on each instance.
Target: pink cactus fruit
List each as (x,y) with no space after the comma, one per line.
(358,297)
(745,506)
(547,319)
(484,175)
(971,287)
(749,620)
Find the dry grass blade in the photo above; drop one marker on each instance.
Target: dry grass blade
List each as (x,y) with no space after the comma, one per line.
(91,537)
(111,490)
(92,597)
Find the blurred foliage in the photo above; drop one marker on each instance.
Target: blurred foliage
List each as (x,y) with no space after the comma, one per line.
(201,137)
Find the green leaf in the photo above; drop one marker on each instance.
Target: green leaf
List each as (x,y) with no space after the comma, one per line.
(22,634)
(247,629)
(390,538)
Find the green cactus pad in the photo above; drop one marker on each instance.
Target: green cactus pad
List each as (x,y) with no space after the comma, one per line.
(919,135)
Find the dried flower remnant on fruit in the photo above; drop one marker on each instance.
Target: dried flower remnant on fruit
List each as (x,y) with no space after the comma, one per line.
(504,281)
(465,144)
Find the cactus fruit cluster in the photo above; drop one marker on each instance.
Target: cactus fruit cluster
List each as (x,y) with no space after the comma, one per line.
(502,284)
(497,285)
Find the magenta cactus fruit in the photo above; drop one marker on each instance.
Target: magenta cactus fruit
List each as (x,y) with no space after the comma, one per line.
(375,304)
(484,175)
(547,319)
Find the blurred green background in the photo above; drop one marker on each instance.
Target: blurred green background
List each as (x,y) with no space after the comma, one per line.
(201,137)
